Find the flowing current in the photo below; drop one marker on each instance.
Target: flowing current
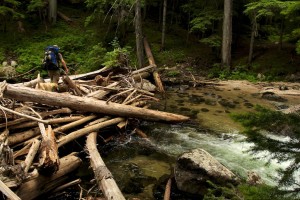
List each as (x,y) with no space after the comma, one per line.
(212,129)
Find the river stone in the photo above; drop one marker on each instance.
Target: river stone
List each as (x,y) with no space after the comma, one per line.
(194,168)
(145,85)
(273,97)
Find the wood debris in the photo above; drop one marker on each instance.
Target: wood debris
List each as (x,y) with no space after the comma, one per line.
(80,105)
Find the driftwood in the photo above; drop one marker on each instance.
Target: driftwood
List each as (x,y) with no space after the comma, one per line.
(64,17)
(87,104)
(23,115)
(23,136)
(72,85)
(48,159)
(44,114)
(42,184)
(117,98)
(75,123)
(31,154)
(79,133)
(168,190)
(152,62)
(50,121)
(104,178)
(7,192)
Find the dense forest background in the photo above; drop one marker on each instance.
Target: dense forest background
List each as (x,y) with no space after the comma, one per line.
(226,39)
(261,40)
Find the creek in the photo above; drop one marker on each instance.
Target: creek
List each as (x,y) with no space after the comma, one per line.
(138,164)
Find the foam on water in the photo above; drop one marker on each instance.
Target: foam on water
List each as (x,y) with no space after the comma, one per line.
(230,149)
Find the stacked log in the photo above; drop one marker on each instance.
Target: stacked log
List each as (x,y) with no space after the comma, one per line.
(81,107)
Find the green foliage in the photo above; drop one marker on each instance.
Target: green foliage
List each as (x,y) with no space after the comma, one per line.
(35,5)
(260,128)
(260,192)
(239,73)
(173,73)
(212,41)
(106,7)
(93,59)
(118,56)
(264,8)
(9,9)
(216,192)
(205,19)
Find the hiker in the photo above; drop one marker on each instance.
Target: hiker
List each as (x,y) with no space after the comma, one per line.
(51,63)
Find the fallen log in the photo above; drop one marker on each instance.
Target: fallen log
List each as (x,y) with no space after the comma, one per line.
(64,17)
(31,154)
(23,136)
(48,158)
(168,190)
(42,184)
(103,176)
(7,192)
(74,124)
(72,85)
(88,104)
(79,133)
(50,121)
(152,62)
(43,114)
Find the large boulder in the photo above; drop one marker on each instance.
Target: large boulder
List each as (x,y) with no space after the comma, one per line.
(194,169)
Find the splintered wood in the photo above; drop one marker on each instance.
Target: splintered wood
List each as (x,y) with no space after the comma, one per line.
(37,126)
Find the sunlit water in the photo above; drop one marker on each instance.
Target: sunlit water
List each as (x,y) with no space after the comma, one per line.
(212,130)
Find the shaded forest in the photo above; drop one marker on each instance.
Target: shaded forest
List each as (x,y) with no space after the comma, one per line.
(193,42)
(261,42)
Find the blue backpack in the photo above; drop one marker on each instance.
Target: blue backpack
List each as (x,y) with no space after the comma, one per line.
(50,61)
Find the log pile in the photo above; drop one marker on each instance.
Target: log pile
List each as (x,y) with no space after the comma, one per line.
(35,124)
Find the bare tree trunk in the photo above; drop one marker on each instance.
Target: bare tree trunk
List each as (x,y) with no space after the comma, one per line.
(227,33)
(139,34)
(252,41)
(281,33)
(164,26)
(52,12)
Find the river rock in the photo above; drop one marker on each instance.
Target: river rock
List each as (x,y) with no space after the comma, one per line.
(146,85)
(271,96)
(194,168)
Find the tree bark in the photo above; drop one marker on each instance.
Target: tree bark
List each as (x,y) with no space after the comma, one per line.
(88,104)
(72,85)
(164,26)
(42,184)
(31,154)
(64,17)
(50,121)
(253,30)
(7,192)
(48,159)
(81,132)
(52,11)
(151,61)
(104,178)
(227,34)
(17,138)
(139,34)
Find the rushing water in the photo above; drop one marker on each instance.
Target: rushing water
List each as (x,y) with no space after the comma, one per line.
(212,130)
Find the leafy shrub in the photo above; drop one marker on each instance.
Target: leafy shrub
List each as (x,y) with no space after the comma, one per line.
(118,56)
(173,73)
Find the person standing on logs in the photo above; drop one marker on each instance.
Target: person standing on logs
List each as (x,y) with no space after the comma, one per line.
(51,63)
